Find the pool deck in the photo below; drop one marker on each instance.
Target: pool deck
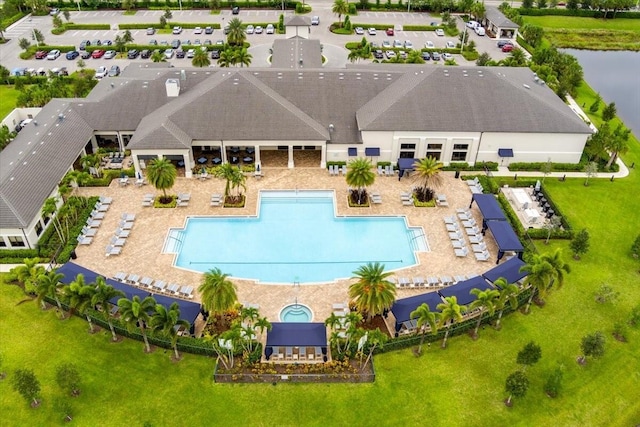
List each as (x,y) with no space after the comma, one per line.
(142,252)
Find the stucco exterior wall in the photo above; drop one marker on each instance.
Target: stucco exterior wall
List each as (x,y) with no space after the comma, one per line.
(532,147)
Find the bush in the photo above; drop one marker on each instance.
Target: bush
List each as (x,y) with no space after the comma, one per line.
(419,27)
(553,385)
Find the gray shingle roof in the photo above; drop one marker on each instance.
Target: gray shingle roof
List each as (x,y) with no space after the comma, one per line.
(498,19)
(297,21)
(287,53)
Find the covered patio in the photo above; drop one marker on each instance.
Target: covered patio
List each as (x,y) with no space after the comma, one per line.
(462,290)
(296,343)
(510,270)
(403,308)
(506,239)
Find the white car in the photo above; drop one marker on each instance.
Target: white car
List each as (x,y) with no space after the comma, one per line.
(429,45)
(168,53)
(176,30)
(258,29)
(390,54)
(315,20)
(359,30)
(270,29)
(110,54)
(447,56)
(408,44)
(101,72)
(372,31)
(53,54)
(451,45)
(479,31)
(473,24)
(249,29)
(191,53)
(398,44)
(197,30)
(386,43)
(440,32)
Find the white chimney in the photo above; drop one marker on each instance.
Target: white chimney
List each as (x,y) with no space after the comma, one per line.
(173,87)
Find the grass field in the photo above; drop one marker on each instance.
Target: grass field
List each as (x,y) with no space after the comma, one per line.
(8,97)
(580,23)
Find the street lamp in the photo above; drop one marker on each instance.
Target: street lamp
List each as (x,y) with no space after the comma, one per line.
(78,2)
(464,36)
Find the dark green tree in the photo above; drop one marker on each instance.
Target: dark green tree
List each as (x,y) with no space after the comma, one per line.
(609,112)
(516,385)
(580,243)
(68,378)
(24,381)
(635,248)
(553,384)
(593,108)
(529,355)
(592,345)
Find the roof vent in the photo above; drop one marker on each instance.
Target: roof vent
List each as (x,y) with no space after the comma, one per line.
(173,87)
(35,123)
(61,117)
(331,127)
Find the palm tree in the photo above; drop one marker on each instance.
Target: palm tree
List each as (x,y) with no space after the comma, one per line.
(451,312)
(235,179)
(48,285)
(135,312)
(559,267)
(414,57)
(425,317)
(242,57)
(427,174)
(340,7)
(372,293)
(49,208)
(539,275)
(485,301)
(201,59)
(262,324)
(162,175)
(508,294)
(165,322)
(158,56)
(218,294)
(375,339)
(360,176)
(28,273)
(79,295)
(103,295)
(238,180)
(226,58)
(236,35)
(354,55)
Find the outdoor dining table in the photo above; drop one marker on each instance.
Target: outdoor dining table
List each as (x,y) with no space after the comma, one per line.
(235,150)
(124,181)
(250,150)
(248,159)
(531,215)
(216,160)
(202,160)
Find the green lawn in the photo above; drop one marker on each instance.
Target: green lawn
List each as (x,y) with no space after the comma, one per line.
(8,97)
(580,23)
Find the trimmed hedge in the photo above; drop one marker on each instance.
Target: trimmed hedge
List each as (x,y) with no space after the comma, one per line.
(108,176)
(157,26)
(559,167)
(421,27)
(12,20)
(464,166)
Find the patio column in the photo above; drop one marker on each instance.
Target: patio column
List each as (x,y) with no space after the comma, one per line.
(290,165)
(120,143)
(136,164)
(257,154)
(223,153)
(323,156)
(94,144)
(188,164)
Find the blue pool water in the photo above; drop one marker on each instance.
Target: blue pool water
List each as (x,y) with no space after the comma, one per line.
(295,238)
(297,313)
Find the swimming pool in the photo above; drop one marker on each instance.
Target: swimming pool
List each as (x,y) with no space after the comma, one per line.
(296,237)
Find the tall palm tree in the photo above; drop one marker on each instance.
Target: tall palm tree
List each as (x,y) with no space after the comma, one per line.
(508,294)
(236,35)
(48,285)
(372,293)
(79,295)
(102,296)
(49,208)
(375,339)
(340,7)
(218,294)
(165,321)
(242,57)
(261,325)
(427,174)
(235,180)
(540,273)
(451,312)
(238,184)
(559,267)
(200,59)
(162,175)
(424,317)
(226,58)
(414,57)
(28,273)
(135,312)
(485,301)
(360,176)
(158,56)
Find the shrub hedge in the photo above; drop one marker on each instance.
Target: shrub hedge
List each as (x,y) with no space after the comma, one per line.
(157,26)
(585,13)
(421,27)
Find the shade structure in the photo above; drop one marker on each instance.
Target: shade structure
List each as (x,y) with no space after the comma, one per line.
(402,308)
(294,334)
(71,270)
(489,207)
(353,151)
(372,151)
(189,311)
(462,290)
(405,165)
(505,237)
(510,270)
(505,152)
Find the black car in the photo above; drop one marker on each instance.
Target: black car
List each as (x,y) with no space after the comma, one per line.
(144,54)
(235,10)
(208,30)
(180,53)
(133,54)
(425,55)
(378,54)
(175,44)
(215,54)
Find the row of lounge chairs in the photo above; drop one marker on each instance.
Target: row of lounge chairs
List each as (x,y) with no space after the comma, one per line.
(475,186)
(183,200)
(337,170)
(429,282)
(94,221)
(474,234)
(155,286)
(120,235)
(386,171)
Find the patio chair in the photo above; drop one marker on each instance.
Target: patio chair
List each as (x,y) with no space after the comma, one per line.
(128,217)
(344,170)
(182,203)
(449,220)
(289,353)
(478,238)
(418,281)
(457,244)
(89,232)
(470,223)
(380,170)
(302,352)
(147,203)
(118,241)
(125,225)
(184,197)
(112,250)
(462,252)
(473,182)
(120,276)
(102,207)
(456,235)
(452,227)
(146,282)
(97,215)
(84,240)
(480,247)
(159,286)
(407,203)
(93,223)
(483,256)
(122,234)
(473,231)
(388,170)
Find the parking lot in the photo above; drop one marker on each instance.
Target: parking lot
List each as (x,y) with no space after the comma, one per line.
(260,43)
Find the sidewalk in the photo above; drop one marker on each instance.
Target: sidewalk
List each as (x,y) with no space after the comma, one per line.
(622,173)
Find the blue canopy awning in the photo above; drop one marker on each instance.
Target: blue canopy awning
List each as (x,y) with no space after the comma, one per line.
(509,269)
(297,335)
(505,152)
(402,308)
(489,207)
(353,151)
(372,152)
(189,311)
(505,237)
(462,290)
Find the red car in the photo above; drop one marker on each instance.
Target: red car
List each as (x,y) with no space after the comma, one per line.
(41,54)
(97,54)
(390,31)
(507,48)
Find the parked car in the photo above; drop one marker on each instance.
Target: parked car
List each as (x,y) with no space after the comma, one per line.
(435,56)
(378,54)
(473,24)
(207,42)
(215,54)
(19,71)
(99,53)
(208,30)
(250,29)
(315,20)
(479,31)
(235,10)
(110,54)
(84,44)
(176,30)
(390,32)
(501,43)
(101,72)
(175,44)
(403,54)
(386,44)
(186,42)
(390,54)
(107,43)
(151,31)
(53,54)
(54,11)
(164,43)
(359,30)
(197,42)
(258,29)
(398,44)
(145,53)
(168,53)
(62,71)
(114,71)
(270,29)
(226,29)
(153,42)
(408,44)
(96,42)
(219,42)
(439,32)
(85,55)
(451,45)
(197,30)
(372,31)
(508,48)
(447,56)
(72,55)
(41,54)
(425,55)
(429,45)
(180,53)
(191,53)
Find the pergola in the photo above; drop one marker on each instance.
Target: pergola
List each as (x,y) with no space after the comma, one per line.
(462,290)
(291,337)
(506,238)
(402,309)
(510,270)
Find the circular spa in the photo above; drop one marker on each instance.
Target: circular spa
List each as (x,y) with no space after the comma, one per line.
(296,313)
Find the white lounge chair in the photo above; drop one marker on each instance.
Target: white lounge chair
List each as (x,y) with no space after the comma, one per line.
(105,200)
(407,203)
(449,220)
(388,170)
(125,225)
(462,252)
(128,217)
(473,182)
(483,256)
(93,223)
(456,235)
(182,203)
(452,227)
(122,234)
(118,241)
(481,247)
(84,240)
(344,170)
(470,223)
(478,238)
(112,250)
(89,232)
(184,197)
(457,244)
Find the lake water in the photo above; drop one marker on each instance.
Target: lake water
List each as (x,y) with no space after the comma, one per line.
(616,75)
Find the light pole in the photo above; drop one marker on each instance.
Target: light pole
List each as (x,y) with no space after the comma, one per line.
(464,36)
(180,1)
(409,6)
(78,3)
(33,34)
